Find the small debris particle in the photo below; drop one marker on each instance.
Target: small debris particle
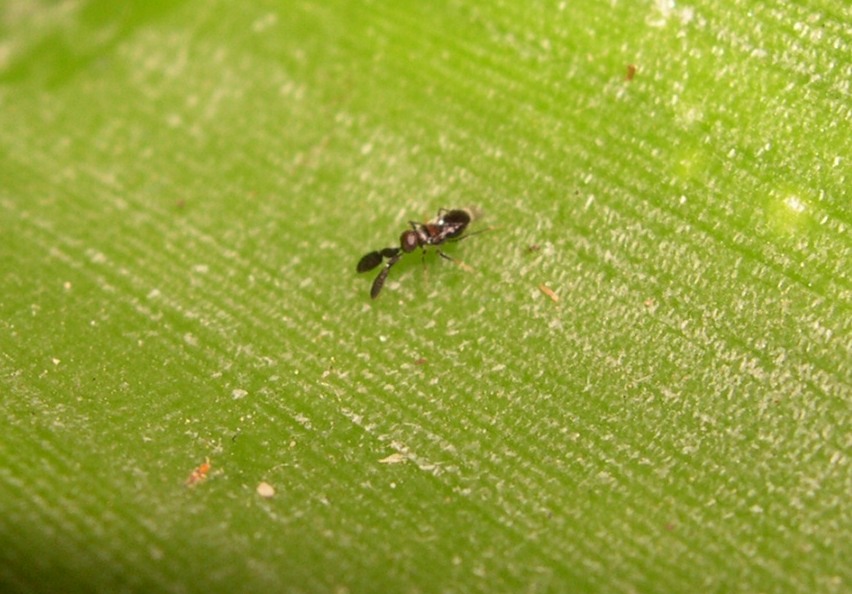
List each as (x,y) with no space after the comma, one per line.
(631,72)
(531,249)
(56,361)
(265,490)
(66,285)
(549,292)
(199,474)
(420,361)
(393,459)
(238,393)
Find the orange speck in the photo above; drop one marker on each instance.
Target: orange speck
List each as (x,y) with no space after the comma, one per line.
(199,474)
(549,292)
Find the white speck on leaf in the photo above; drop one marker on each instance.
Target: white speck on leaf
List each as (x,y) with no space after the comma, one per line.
(393,459)
(265,490)
(795,204)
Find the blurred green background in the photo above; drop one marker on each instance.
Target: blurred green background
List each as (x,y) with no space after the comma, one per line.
(186,187)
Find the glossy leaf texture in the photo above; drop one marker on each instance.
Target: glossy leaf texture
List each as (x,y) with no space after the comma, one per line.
(638,379)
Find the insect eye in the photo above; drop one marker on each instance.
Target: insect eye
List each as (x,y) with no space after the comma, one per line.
(408,241)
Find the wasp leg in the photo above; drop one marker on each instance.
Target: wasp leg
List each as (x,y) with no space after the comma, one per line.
(458,263)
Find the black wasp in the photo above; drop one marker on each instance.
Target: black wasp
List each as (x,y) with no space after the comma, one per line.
(447,226)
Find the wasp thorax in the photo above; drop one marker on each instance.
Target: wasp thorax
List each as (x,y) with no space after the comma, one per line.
(408,241)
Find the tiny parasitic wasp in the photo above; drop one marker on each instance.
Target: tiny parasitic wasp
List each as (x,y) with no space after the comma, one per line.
(449,225)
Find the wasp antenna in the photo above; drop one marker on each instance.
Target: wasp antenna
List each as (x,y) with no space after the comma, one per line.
(369,261)
(378,284)
(380,279)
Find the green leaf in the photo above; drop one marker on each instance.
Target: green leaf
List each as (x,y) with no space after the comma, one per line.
(639,381)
